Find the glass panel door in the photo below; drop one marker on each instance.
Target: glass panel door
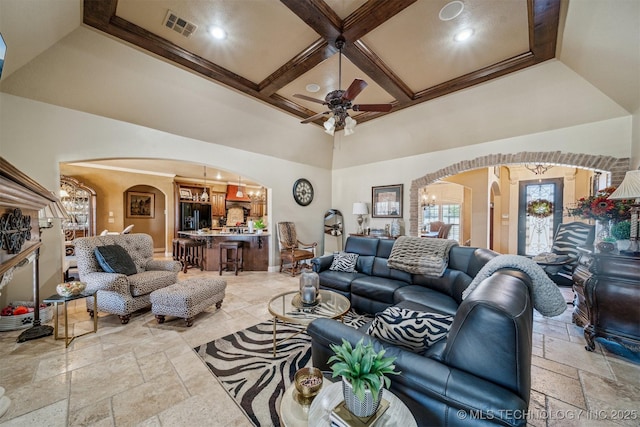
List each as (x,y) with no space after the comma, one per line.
(540,212)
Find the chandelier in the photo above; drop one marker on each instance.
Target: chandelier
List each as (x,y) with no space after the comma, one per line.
(538,168)
(258,196)
(425,200)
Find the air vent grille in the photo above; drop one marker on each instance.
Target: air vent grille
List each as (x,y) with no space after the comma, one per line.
(179,25)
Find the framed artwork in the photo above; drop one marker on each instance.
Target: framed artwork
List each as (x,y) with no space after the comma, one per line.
(386,201)
(185,193)
(140,205)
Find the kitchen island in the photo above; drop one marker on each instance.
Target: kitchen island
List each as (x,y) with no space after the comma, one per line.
(255,248)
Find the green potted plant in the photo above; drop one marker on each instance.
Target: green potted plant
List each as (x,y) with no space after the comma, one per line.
(364,372)
(259,225)
(622,232)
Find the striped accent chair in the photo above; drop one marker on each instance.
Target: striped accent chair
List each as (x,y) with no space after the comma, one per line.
(565,242)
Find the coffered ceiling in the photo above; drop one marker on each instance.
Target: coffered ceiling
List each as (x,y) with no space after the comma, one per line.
(403,49)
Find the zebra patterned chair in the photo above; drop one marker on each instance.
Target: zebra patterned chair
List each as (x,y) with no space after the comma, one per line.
(118,293)
(565,242)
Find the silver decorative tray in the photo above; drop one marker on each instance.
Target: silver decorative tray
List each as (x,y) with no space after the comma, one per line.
(297,302)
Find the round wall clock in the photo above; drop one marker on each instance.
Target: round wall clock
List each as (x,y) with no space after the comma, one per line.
(303,192)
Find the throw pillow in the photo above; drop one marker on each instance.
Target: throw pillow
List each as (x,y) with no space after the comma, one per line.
(344,261)
(115,259)
(413,330)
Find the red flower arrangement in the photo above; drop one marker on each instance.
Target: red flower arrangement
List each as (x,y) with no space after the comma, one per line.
(600,208)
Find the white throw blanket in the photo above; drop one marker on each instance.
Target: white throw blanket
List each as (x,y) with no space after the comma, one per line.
(547,298)
(418,255)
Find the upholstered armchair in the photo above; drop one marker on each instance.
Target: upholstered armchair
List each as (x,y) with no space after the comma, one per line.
(119,293)
(292,250)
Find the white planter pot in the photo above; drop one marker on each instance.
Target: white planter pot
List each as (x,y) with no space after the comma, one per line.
(623,245)
(357,407)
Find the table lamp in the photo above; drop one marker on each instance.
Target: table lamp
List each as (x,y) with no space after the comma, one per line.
(360,208)
(630,189)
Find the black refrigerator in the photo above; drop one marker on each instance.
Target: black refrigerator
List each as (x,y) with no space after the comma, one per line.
(194,216)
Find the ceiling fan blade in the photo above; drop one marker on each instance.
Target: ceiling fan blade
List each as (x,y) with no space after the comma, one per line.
(356,87)
(308,98)
(383,108)
(312,118)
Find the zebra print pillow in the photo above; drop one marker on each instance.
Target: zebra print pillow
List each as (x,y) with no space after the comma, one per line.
(344,261)
(413,330)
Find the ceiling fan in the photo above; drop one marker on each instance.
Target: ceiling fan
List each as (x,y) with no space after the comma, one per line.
(339,101)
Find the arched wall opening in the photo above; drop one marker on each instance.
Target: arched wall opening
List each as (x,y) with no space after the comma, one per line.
(617,167)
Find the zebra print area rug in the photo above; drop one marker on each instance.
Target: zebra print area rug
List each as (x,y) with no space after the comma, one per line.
(243,363)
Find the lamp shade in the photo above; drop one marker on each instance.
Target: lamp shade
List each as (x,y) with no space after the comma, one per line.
(629,187)
(360,208)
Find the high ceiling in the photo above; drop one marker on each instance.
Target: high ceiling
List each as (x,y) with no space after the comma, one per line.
(403,49)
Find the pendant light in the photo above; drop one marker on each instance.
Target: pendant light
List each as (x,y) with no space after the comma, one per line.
(239,192)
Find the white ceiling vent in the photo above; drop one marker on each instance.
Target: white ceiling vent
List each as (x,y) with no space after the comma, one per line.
(179,25)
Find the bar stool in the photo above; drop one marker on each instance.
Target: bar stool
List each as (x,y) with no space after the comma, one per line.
(189,252)
(236,261)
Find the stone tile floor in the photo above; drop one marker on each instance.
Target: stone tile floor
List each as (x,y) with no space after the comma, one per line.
(147,374)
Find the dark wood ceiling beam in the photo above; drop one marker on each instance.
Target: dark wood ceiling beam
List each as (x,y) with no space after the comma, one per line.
(98,13)
(317,15)
(371,15)
(296,67)
(543,27)
(132,33)
(367,61)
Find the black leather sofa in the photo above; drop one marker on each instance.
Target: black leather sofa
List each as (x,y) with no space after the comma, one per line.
(480,374)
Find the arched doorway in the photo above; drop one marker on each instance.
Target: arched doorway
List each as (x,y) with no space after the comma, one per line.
(616,166)
(144,208)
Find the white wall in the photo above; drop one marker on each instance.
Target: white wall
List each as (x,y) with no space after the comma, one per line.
(610,138)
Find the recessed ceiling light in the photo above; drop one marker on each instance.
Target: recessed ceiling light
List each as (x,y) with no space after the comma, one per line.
(312,87)
(463,35)
(451,10)
(218,33)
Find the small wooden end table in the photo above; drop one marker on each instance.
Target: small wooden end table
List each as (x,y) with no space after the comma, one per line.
(56,300)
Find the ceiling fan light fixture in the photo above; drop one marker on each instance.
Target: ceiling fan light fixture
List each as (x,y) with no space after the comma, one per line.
(330,126)
(349,125)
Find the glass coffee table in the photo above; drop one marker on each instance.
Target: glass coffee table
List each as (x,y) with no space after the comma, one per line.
(287,308)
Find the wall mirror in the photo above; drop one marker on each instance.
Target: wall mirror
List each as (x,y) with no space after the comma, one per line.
(79,201)
(333,231)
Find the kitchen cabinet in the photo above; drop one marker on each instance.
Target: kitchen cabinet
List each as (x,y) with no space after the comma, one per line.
(218,204)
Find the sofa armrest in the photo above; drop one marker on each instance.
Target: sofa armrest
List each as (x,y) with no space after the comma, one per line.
(322,263)
(163,265)
(101,281)
(435,392)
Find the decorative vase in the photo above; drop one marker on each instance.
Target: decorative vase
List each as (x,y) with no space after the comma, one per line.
(357,407)
(309,287)
(250,226)
(603,228)
(394,230)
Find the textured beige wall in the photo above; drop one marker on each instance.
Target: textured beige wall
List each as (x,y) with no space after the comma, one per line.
(111,188)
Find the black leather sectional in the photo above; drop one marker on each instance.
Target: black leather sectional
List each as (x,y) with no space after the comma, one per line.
(480,374)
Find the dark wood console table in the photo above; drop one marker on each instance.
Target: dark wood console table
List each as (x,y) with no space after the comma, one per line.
(607,297)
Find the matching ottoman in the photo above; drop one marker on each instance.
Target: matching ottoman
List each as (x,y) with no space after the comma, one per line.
(187,298)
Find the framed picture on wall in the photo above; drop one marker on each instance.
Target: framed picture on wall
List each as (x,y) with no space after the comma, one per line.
(386,201)
(140,205)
